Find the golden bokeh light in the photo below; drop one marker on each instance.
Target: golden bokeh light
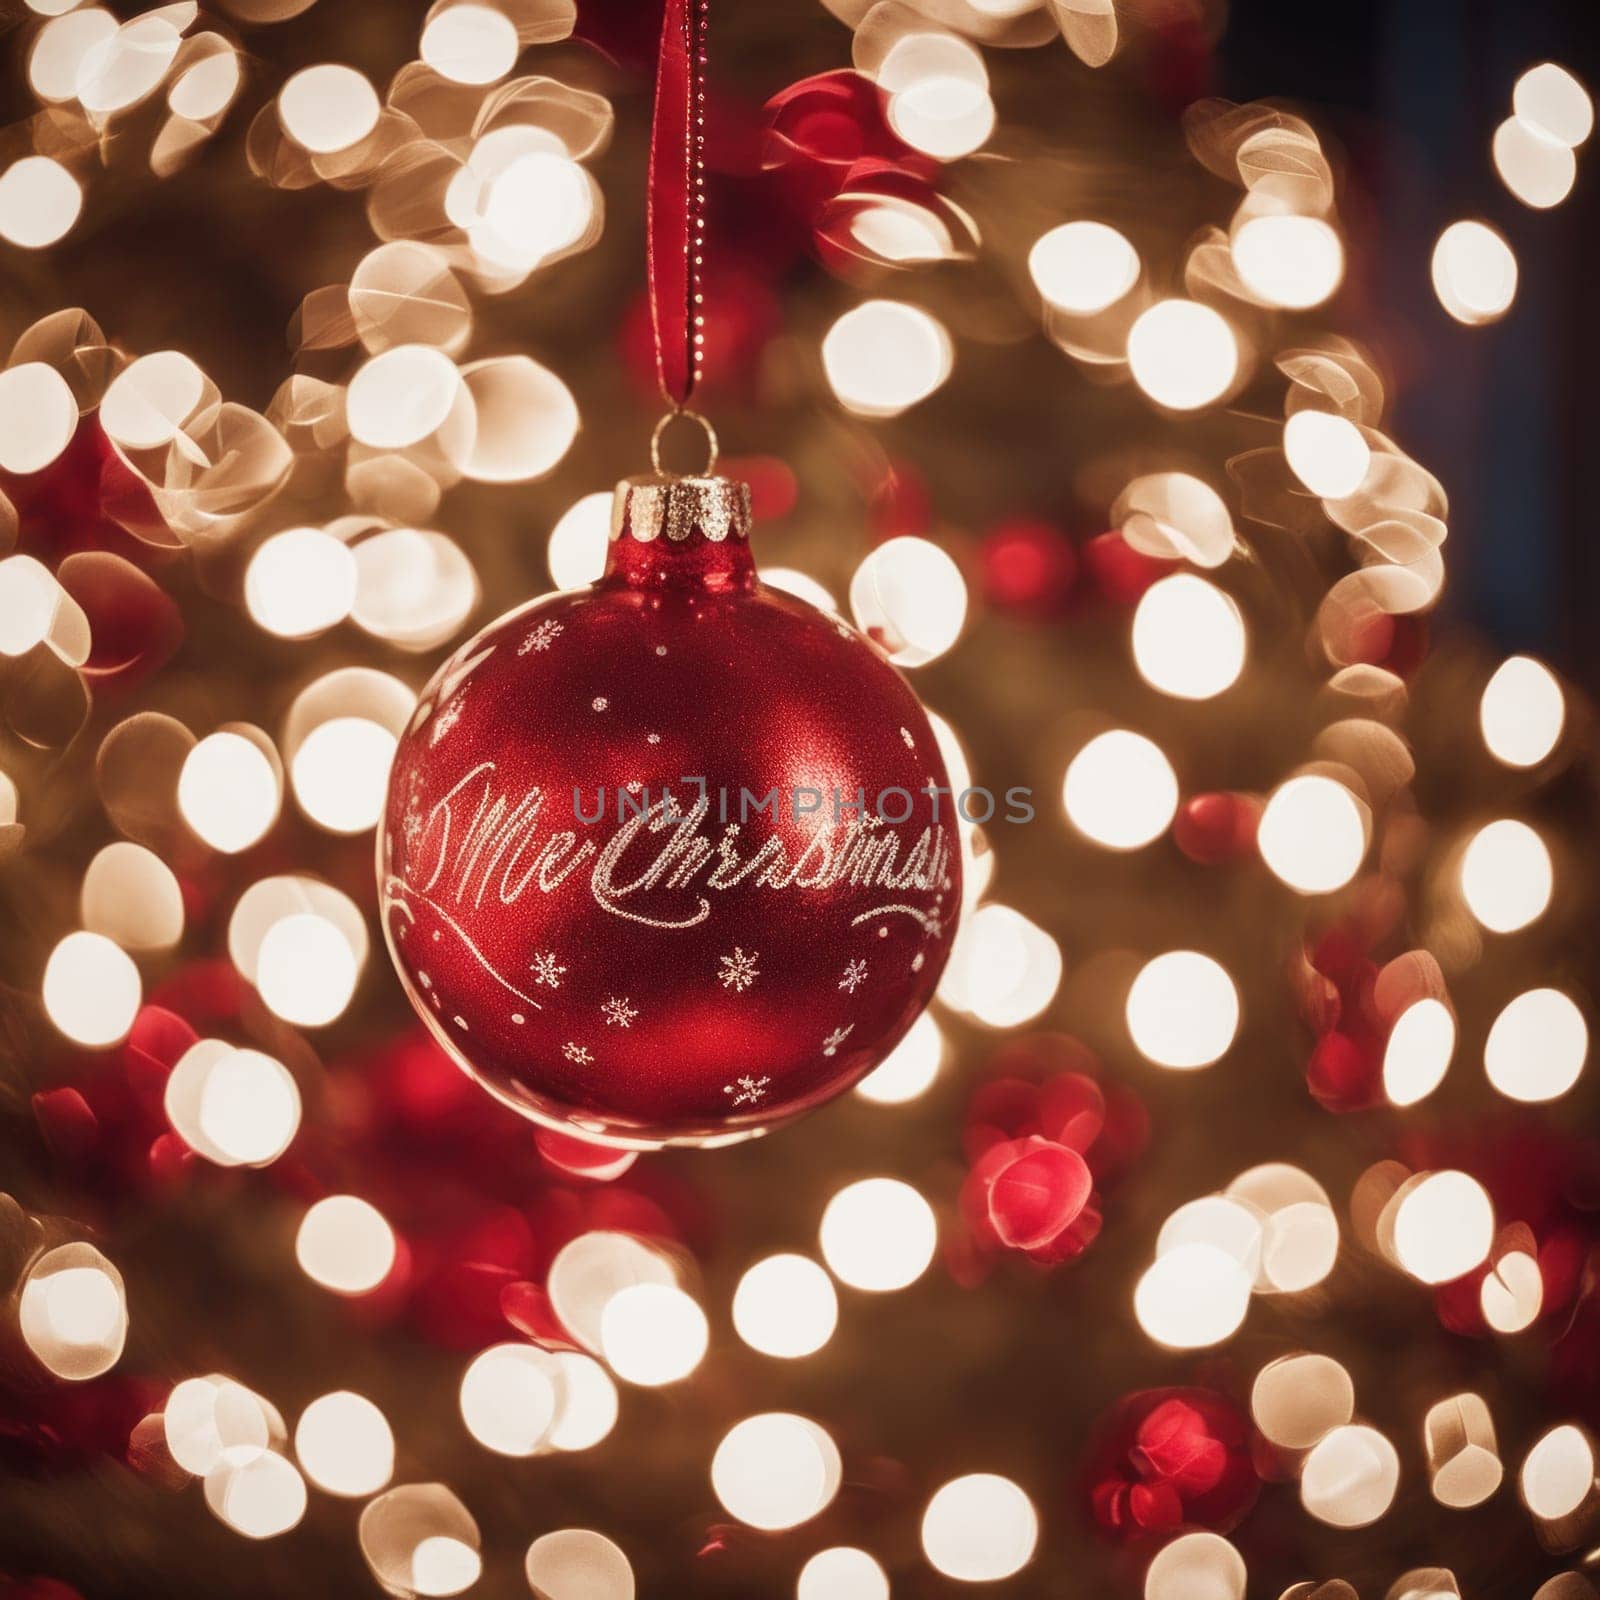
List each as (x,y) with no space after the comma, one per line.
(328,108)
(909,1070)
(1120,790)
(589,1270)
(39,202)
(878,1234)
(150,400)
(1327,453)
(1183,354)
(230,789)
(1417,1054)
(345,1444)
(980,1528)
(345,1244)
(1297,1399)
(133,897)
(842,1572)
(1196,1566)
(589,1402)
(260,1498)
(1511,1295)
(72,1312)
(1522,712)
(469,43)
(1004,969)
(776,1470)
(653,1334)
(300,583)
(1463,1461)
(1558,1473)
(510,1396)
(910,597)
(418,1539)
(1474,273)
(785,1306)
(1083,267)
(580,541)
(237,1108)
(400,396)
(884,356)
(1539,171)
(1182,1010)
(1443,1226)
(38,416)
(1188,638)
(1350,1477)
(1300,1236)
(1193,1296)
(1313,834)
(413,588)
(212,1421)
(578,1564)
(1537,1046)
(1506,875)
(91,990)
(1550,99)
(1290,261)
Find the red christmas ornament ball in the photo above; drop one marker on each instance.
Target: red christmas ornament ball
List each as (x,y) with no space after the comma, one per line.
(667,860)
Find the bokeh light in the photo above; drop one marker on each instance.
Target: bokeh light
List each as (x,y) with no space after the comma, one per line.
(418,1539)
(1182,1010)
(1522,712)
(1506,875)
(1194,1295)
(328,108)
(910,597)
(1313,834)
(776,1470)
(1290,261)
(91,990)
(884,356)
(1188,638)
(1550,99)
(1196,1566)
(909,1070)
(1537,1046)
(39,202)
(1443,1226)
(345,1444)
(260,1498)
(1120,790)
(785,1306)
(579,542)
(878,1234)
(980,1528)
(1297,1399)
(589,1402)
(1350,1477)
(1417,1053)
(469,43)
(72,1312)
(510,1397)
(1558,1474)
(345,1244)
(230,789)
(237,1108)
(578,1564)
(1474,273)
(653,1333)
(300,583)
(842,1572)
(1083,267)
(1327,453)
(1183,354)
(1533,166)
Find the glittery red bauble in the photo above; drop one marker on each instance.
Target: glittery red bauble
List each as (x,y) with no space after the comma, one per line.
(730,941)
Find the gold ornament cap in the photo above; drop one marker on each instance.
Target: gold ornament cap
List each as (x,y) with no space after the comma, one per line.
(660,504)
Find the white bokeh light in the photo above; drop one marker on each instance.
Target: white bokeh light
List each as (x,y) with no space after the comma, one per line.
(1120,790)
(775,1470)
(1506,875)
(785,1306)
(1537,1046)
(1290,261)
(1313,834)
(345,1244)
(1182,1010)
(579,542)
(300,583)
(1522,712)
(91,990)
(1327,453)
(909,1070)
(345,1444)
(1183,354)
(878,1234)
(884,356)
(1194,1295)
(229,790)
(653,1333)
(980,1528)
(1188,638)
(1083,267)
(910,596)
(1474,273)
(1443,1226)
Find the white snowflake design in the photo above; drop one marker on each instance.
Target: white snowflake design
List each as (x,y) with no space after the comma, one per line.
(576,1054)
(445,718)
(599,703)
(830,1045)
(619,1012)
(738,971)
(542,637)
(747,1091)
(854,976)
(545,970)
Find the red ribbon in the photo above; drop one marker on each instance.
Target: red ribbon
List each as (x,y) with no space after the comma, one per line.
(676,198)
